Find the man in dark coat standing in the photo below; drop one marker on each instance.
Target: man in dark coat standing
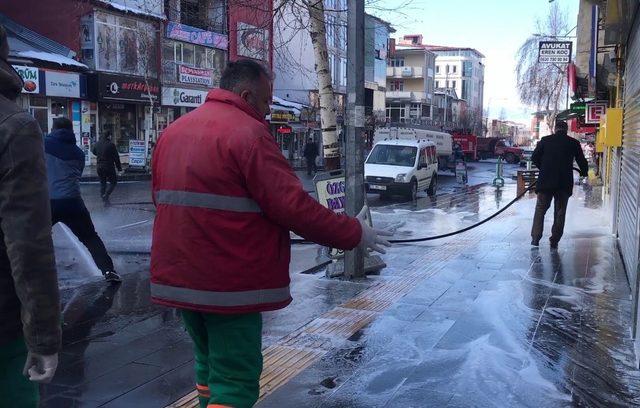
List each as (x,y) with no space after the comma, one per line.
(310,154)
(29,299)
(65,163)
(554,156)
(108,160)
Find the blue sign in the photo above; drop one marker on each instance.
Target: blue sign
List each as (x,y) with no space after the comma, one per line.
(195,35)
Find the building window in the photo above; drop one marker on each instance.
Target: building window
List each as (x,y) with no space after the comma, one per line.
(447,69)
(437,69)
(437,84)
(396,62)
(126,46)
(209,15)
(467,69)
(465,90)
(396,86)
(177,53)
(455,69)
(343,72)
(453,84)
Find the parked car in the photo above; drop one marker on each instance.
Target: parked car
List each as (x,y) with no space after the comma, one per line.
(402,167)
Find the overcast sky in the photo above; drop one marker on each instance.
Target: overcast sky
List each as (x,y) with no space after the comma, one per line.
(496,28)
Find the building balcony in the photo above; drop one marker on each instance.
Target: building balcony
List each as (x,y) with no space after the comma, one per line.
(406,95)
(405,72)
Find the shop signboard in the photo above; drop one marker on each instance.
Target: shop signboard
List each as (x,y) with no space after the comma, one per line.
(195,76)
(183,32)
(64,84)
(31,78)
(183,97)
(137,153)
(331,193)
(595,111)
(253,42)
(112,87)
(558,52)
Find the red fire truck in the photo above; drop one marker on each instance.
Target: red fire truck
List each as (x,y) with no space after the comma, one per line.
(468,143)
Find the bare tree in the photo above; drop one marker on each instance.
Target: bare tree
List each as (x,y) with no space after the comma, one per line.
(542,84)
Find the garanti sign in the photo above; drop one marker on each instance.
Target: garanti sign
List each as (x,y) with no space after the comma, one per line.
(555,52)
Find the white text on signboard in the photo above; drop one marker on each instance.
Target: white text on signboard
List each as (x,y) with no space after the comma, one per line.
(558,52)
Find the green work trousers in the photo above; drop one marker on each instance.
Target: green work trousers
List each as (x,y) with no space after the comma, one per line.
(15,389)
(228,356)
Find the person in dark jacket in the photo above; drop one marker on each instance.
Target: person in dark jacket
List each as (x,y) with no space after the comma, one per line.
(554,156)
(310,154)
(65,163)
(29,298)
(108,160)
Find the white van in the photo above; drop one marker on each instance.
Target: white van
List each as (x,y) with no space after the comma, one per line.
(443,141)
(402,167)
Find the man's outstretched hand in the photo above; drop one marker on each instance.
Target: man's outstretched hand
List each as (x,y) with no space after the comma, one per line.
(372,238)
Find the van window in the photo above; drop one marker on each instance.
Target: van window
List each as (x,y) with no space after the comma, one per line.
(424,159)
(393,155)
(432,155)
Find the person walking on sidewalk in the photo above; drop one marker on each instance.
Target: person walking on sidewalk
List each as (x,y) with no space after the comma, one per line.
(554,156)
(65,163)
(108,160)
(310,154)
(29,298)
(226,200)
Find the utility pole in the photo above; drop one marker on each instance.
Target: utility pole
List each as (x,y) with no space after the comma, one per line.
(354,260)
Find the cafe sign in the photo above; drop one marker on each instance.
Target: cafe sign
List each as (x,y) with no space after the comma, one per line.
(31,78)
(183,32)
(195,76)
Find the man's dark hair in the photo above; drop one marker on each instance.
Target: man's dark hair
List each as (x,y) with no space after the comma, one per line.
(561,126)
(241,72)
(62,123)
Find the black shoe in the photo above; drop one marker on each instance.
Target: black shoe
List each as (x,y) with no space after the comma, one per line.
(553,245)
(111,276)
(535,243)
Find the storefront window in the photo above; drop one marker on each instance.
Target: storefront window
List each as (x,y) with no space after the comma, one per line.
(119,121)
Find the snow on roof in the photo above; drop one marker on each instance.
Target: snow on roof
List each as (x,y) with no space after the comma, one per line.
(289,104)
(133,9)
(50,57)
(277,106)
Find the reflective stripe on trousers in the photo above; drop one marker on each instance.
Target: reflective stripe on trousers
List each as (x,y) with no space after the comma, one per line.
(207,200)
(221,299)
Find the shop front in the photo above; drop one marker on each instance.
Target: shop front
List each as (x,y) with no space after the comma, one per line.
(125,109)
(177,102)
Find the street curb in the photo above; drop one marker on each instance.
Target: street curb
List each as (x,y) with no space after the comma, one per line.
(124,177)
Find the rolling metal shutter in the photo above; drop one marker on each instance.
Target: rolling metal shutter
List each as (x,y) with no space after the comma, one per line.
(628,226)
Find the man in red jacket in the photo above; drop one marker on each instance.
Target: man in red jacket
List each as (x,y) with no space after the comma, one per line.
(226,200)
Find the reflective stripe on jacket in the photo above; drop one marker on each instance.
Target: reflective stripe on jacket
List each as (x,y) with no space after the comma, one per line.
(226,200)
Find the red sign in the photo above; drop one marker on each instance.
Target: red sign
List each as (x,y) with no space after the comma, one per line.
(283,130)
(595,110)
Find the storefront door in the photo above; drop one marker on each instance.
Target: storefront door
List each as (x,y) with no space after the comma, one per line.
(58,108)
(118,120)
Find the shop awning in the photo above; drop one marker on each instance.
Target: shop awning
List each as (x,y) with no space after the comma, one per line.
(566,115)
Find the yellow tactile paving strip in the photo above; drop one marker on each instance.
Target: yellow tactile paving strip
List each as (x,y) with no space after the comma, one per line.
(306,345)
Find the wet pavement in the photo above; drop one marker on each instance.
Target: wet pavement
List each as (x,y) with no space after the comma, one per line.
(486,321)
(496,324)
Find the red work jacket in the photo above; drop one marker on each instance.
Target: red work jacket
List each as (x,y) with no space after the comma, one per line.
(226,200)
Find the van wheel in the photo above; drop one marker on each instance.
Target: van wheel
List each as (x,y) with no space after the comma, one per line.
(433,186)
(511,158)
(412,194)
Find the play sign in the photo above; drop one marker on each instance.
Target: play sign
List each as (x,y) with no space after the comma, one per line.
(558,52)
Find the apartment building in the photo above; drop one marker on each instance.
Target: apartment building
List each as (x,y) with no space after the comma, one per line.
(410,84)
